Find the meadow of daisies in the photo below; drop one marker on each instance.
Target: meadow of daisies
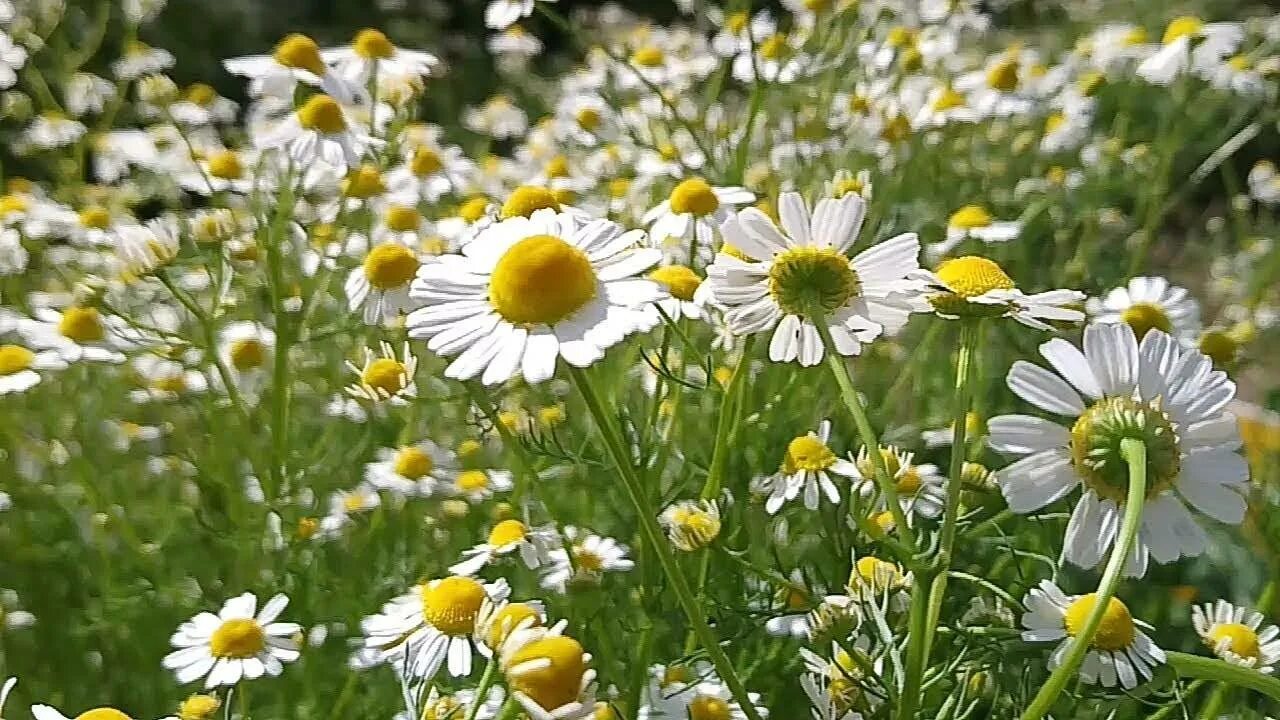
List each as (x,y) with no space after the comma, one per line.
(841,359)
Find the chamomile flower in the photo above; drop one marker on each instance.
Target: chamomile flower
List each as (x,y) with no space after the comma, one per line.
(19,366)
(430,171)
(380,285)
(1120,653)
(974,286)
(688,219)
(477,485)
(807,466)
(1190,45)
(1264,182)
(704,696)
(77,333)
(586,559)
(684,290)
(51,131)
(246,347)
(973,221)
(235,644)
(319,130)
(1150,303)
(835,686)
(690,524)
(872,579)
(420,469)
(548,674)
(1236,634)
(500,14)
(48,712)
(790,276)
(372,54)
(296,58)
(1166,396)
(385,376)
(921,488)
(527,291)
(509,536)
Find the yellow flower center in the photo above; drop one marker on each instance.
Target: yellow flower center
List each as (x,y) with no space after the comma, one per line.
(527,199)
(650,56)
(247,354)
(102,713)
(1145,316)
(807,452)
(509,618)
(695,526)
(679,280)
(541,280)
(816,6)
(1115,632)
(364,182)
(226,165)
(806,279)
(198,707)
(588,119)
(175,383)
(859,104)
(473,209)
(469,447)
(1089,83)
(1241,639)
(949,99)
(876,573)
(401,218)
(1003,76)
(901,36)
(372,44)
(238,638)
(451,604)
(14,359)
(911,60)
(411,462)
(299,51)
(201,94)
(96,218)
(444,708)
(13,204)
(896,129)
(322,114)
(390,265)
(848,186)
(472,480)
(1136,36)
(1220,346)
(557,680)
(774,47)
(1095,446)
(507,532)
(1053,122)
(1239,63)
(971,276)
(82,324)
(557,167)
(708,707)
(736,22)
(694,196)
(1180,27)
(586,560)
(970,217)
(385,374)
(425,162)
(673,674)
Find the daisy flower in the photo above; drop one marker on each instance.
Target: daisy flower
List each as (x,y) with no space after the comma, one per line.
(246,346)
(807,465)
(682,285)
(372,54)
(789,276)
(76,333)
(1149,303)
(319,130)
(548,674)
(500,14)
(412,470)
(499,621)
(921,488)
(18,367)
(1168,397)
(507,537)
(834,687)
(477,485)
(430,171)
(385,377)
(48,712)
(974,286)
(795,604)
(691,524)
(872,578)
(234,644)
(592,556)
(1236,634)
(688,218)
(296,58)
(701,695)
(1190,44)
(381,284)
(1120,652)
(431,626)
(528,290)
(974,221)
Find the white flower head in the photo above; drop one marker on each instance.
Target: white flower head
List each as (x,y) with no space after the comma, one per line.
(234,644)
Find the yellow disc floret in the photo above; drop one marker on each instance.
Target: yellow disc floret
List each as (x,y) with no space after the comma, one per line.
(198,707)
(81,324)
(102,713)
(650,56)
(247,354)
(541,280)
(390,266)
(471,481)
(322,114)
(401,218)
(372,44)
(807,279)
(96,218)
(1115,632)
(679,280)
(970,217)
(237,638)
(807,452)
(1144,317)
(225,165)
(14,359)
(709,707)
(694,196)
(1003,75)
(451,604)
(412,463)
(527,199)
(510,617)
(1180,27)
(507,532)
(300,52)
(552,672)
(385,374)
(1239,639)
(971,276)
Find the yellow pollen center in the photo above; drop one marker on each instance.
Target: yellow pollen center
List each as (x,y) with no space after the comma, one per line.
(364,182)
(1145,316)
(971,276)
(13,204)
(445,708)
(473,209)
(96,218)
(1136,36)
(900,36)
(390,266)
(708,707)
(807,452)
(876,573)
(1003,76)
(81,324)
(527,199)
(201,94)
(247,354)
(649,56)
(425,162)
(385,374)
(694,196)
(412,463)
(451,604)
(301,52)
(322,114)
(679,280)
(102,713)
(808,279)
(507,532)
(848,186)
(198,707)
(472,480)
(817,5)
(1180,27)
(1240,639)
(588,119)
(557,167)
(237,638)
(225,165)
(1219,345)
(1115,632)
(557,679)
(509,618)
(401,218)
(372,44)
(970,217)
(541,280)
(949,99)
(1053,122)
(774,47)
(14,359)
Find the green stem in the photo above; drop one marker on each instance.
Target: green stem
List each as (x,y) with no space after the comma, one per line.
(653,537)
(1213,669)
(482,690)
(1135,454)
(726,422)
(280,371)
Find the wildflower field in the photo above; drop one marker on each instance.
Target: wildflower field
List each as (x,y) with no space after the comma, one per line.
(830,359)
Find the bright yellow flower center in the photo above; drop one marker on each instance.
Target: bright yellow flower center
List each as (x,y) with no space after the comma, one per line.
(1180,27)
(557,167)
(444,708)
(679,280)
(13,204)
(1003,76)
(299,51)
(425,162)
(971,276)
(588,119)
(247,354)
(774,47)
(896,129)
(473,209)
(472,480)
(650,56)
(1089,83)
(1241,639)
(527,199)
(507,532)
(557,681)
(900,36)
(372,44)
(198,707)
(238,638)
(469,447)
(1136,36)
(848,186)
(390,265)
(949,99)
(694,196)
(322,114)
(1053,122)
(1115,632)
(451,604)
(807,452)
(1145,316)
(401,218)
(804,279)
(364,182)
(673,674)
(14,359)
(736,22)
(816,6)
(509,618)
(708,707)
(82,324)
(385,374)
(96,218)
(226,165)
(201,94)
(412,463)
(970,217)
(618,188)
(102,713)
(876,573)
(541,280)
